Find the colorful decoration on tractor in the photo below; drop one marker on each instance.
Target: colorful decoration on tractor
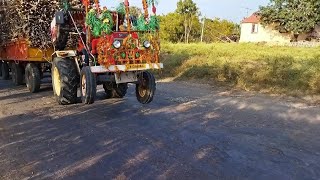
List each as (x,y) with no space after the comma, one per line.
(127,46)
(146,23)
(130,51)
(121,9)
(100,23)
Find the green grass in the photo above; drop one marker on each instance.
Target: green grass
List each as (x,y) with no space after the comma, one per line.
(284,70)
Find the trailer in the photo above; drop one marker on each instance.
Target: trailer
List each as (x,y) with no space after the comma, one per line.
(25,64)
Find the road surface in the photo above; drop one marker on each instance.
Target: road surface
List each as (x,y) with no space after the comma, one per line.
(190,131)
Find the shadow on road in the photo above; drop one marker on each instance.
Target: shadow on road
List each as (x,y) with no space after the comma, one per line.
(181,135)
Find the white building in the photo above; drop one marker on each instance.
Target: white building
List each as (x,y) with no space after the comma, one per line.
(253,31)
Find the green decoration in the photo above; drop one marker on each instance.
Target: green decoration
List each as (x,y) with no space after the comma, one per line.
(123,55)
(107,22)
(66,5)
(121,9)
(100,25)
(141,24)
(153,24)
(150,2)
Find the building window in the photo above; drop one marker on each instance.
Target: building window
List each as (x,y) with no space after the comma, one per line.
(254,28)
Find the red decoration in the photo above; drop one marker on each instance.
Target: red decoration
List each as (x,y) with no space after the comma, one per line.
(126,3)
(154,9)
(95,43)
(86,2)
(135,35)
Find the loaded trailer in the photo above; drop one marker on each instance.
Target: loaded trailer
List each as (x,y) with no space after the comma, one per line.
(24,63)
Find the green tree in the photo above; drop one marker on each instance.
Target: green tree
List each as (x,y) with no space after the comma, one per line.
(219,30)
(171,27)
(189,11)
(295,16)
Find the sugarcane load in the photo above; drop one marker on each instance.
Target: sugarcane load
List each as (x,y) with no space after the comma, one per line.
(29,20)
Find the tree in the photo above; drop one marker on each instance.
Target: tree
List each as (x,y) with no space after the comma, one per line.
(171,27)
(182,25)
(219,30)
(189,10)
(295,16)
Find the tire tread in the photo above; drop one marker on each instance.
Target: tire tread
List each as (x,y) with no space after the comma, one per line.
(69,80)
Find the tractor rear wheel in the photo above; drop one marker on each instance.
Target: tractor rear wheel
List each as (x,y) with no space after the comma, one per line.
(88,86)
(146,87)
(4,71)
(17,74)
(114,90)
(33,77)
(65,80)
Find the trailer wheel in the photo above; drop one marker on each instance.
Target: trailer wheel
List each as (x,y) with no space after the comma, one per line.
(4,71)
(17,74)
(146,87)
(114,90)
(33,77)
(88,86)
(0,69)
(65,80)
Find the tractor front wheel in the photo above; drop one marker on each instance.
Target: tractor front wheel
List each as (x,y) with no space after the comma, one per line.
(33,77)
(65,80)
(88,86)
(146,87)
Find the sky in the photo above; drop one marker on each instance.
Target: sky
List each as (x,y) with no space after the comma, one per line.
(233,10)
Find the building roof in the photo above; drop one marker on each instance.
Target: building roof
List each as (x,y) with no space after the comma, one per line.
(254,18)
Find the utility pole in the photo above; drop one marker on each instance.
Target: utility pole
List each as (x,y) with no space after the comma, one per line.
(247,10)
(202,29)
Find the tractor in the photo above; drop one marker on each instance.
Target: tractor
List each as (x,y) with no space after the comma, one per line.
(112,48)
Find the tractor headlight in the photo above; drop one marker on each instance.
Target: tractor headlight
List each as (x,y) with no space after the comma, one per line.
(117,44)
(146,44)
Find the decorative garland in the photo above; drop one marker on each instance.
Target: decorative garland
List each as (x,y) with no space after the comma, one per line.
(102,22)
(144,23)
(145,8)
(153,3)
(121,9)
(128,53)
(100,25)
(152,25)
(126,4)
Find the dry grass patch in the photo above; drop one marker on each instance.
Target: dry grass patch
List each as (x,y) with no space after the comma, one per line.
(287,70)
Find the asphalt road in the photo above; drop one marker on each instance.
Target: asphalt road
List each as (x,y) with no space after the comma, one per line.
(190,131)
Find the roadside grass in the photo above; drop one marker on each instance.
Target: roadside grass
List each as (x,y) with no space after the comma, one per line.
(283,70)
